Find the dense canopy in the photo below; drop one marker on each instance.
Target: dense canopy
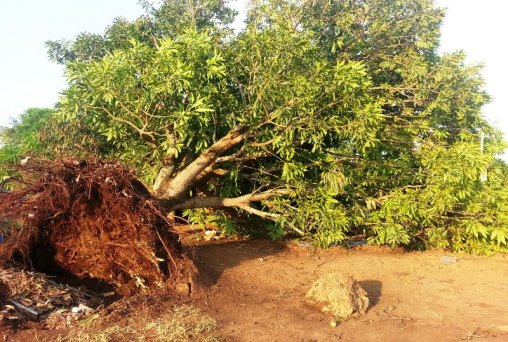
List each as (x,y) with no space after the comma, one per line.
(332,120)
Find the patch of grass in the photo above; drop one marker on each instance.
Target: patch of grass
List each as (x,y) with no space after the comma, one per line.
(183,323)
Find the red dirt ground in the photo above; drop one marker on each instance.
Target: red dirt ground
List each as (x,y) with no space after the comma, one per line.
(257,293)
(255,290)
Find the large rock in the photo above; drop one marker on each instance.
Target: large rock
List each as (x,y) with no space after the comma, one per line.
(339,295)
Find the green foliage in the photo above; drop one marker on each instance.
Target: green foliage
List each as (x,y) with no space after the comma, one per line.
(349,106)
(167,20)
(217,219)
(452,207)
(24,138)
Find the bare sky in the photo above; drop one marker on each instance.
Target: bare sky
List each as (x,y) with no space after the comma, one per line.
(28,79)
(480,28)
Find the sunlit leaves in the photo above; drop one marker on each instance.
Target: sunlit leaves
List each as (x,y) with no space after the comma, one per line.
(349,107)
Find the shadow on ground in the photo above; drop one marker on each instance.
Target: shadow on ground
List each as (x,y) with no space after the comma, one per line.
(212,260)
(373,288)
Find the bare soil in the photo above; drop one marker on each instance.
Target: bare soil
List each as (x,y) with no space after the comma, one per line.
(256,289)
(257,293)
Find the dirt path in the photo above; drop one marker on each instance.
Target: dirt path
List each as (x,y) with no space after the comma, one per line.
(257,293)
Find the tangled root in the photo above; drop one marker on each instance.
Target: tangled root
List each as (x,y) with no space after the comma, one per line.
(93,219)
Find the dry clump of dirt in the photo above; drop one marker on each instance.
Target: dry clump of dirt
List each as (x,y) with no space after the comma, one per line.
(93,219)
(339,295)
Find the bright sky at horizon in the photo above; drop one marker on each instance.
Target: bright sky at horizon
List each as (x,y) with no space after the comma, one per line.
(29,79)
(478,28)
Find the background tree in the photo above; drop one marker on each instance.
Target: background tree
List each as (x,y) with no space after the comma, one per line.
(335,120)
(24,138)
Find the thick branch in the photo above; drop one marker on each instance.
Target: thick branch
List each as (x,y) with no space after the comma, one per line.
(181,183)
(163,177)
(169,166)
(242,202)
(260,213)
(211,171)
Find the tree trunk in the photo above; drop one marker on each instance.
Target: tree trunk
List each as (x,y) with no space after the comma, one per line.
(176,188)
(173,190)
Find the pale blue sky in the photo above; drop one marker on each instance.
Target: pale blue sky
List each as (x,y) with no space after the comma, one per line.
(479,27)
(28,79)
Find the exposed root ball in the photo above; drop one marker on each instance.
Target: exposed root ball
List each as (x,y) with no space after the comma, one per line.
(4,291)
(93,219)
(339,295)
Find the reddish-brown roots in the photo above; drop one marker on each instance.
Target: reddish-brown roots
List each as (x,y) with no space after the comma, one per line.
(93,219)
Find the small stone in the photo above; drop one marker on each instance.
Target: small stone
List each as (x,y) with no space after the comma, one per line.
(77,310)
(333,324)
(210,233)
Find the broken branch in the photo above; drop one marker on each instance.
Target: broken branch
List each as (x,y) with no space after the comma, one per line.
(242,202)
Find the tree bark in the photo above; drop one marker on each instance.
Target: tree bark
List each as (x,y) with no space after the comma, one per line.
(242,202)
(174,189)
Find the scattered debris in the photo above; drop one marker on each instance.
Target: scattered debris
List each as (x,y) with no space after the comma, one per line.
(26,309)
(211,235)
(304,244)
(81,308)
(33,296)
(339,295)
(448,259)
(387,309)
(356,243)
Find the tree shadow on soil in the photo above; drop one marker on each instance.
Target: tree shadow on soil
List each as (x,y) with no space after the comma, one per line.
(212,259)
(373,288)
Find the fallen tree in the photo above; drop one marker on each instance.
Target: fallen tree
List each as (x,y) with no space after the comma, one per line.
(95,220)
(333,120)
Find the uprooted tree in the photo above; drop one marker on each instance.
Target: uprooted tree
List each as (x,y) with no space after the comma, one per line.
(92,219)
(328,119)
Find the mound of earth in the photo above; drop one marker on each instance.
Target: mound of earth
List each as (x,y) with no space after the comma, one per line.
(339,295)
(93,219)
